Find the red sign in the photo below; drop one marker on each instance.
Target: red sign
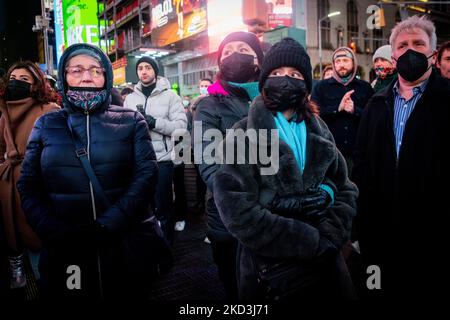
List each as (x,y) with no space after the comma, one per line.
(122,62)
(280,19)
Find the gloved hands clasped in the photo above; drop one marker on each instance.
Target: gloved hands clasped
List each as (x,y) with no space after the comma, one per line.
(150,120)
(309,206)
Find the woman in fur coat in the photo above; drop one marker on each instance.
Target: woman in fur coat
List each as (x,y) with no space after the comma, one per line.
(301,213)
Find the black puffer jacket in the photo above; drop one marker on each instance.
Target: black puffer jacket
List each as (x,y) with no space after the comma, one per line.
(220,112)
(64,210)
(54,188)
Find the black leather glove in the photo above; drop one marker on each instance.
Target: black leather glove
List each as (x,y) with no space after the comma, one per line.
(150,121)
(315,199)
(309,206)
(289,206)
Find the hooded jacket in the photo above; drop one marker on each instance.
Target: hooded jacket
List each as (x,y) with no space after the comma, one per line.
(167,108)
(55,190)
(328,95)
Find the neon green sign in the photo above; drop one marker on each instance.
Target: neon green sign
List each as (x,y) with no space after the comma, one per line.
(81,22)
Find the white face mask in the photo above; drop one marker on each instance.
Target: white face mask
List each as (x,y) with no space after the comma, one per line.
(203,90)
(185,103)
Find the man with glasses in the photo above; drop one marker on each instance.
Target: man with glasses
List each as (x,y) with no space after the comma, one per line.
(163,109)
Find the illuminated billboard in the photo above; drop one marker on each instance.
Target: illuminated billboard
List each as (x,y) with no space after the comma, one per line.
(59,28)
(80,22)
(76,22)
(224,17)
(173,20)
(280,13)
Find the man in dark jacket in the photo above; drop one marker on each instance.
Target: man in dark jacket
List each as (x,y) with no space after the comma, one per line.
(341,100)
(229,98)
(401,168)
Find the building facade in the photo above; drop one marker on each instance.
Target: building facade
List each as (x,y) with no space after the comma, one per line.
(183,35)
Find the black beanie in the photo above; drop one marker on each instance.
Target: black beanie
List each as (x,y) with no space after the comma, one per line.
(151,61)
(286,53)
(249,38)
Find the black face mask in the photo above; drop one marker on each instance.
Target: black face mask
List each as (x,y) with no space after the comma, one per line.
(238,67)
(412,65)
(284,93)
(18,90)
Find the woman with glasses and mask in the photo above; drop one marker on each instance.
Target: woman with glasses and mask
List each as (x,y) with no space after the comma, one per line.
(301,212)
(24,97)
(82,222)
(239,59)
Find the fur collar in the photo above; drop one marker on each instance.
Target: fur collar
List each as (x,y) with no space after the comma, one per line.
(320,150)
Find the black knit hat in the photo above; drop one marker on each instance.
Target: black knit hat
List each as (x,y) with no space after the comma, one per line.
(286,53)
(151,61)
(249,38)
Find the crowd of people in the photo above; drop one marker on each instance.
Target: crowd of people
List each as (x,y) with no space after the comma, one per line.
(88,179)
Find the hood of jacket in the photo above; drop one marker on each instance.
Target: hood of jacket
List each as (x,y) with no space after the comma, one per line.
(355,66)
(62,84)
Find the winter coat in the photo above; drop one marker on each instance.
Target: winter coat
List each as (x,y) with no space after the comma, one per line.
(219,110)
(167,108)
(16,122)
(402,199)
(242,196)
(55,190)
(343,125)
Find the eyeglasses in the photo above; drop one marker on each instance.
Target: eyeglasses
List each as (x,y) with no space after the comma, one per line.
(77,72)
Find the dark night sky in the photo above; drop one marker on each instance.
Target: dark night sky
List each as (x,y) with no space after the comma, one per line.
(18,18)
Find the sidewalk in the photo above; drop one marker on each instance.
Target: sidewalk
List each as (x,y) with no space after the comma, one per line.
(194,274)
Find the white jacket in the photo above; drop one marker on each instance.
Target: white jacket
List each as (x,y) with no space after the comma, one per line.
(167,108)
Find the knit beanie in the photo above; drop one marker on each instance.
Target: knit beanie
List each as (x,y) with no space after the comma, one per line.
(286,53)
(86,52)
(384,52)
(151,61)
(249,38)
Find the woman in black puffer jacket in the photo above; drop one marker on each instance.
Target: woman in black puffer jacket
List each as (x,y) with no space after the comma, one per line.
(61,204)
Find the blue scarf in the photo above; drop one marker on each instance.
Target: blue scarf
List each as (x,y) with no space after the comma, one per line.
(251,88)
(294,135)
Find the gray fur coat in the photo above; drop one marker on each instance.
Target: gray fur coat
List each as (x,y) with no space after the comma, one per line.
(242,194)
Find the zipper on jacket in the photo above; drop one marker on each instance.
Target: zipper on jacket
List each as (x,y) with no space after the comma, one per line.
(94,210)
(145,106)
(165,143)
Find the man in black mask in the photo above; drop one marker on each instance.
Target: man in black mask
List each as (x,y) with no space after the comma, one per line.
(401,166)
